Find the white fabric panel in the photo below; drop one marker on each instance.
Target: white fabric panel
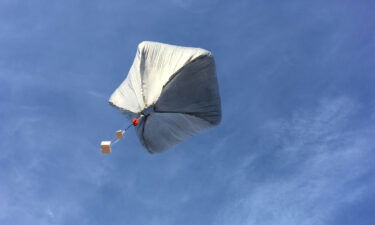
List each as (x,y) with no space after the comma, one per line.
(159,62)
(153,66)
(128,96)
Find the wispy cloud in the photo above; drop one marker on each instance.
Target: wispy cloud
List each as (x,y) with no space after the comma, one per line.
(317,159)
(97,95)
(195,6)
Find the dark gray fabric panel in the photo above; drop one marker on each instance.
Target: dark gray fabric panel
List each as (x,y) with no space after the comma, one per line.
(193,90)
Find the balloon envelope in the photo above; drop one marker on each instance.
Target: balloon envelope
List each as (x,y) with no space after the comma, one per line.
(176,90)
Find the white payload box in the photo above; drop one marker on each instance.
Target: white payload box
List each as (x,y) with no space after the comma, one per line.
(106,147)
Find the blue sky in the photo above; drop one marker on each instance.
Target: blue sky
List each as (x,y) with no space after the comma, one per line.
(295,146)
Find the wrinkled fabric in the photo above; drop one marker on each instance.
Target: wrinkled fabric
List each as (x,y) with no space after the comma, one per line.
(175,88)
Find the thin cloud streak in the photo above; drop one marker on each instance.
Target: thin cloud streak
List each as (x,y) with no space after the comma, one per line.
(322,160)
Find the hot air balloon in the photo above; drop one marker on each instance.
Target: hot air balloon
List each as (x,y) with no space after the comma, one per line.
(171,93)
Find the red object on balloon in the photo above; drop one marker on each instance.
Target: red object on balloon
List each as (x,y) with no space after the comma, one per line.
(135,122)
